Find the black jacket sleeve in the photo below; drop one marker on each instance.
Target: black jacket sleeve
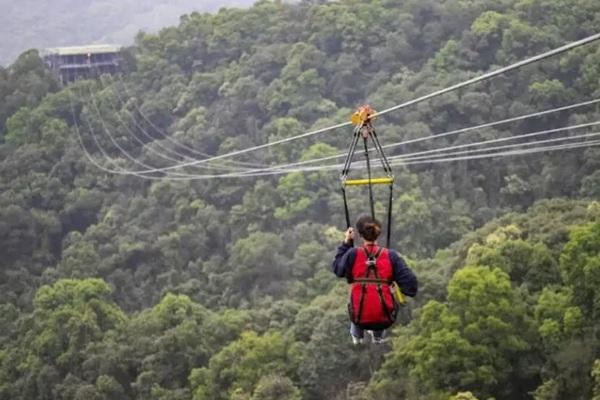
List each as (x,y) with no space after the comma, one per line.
(404,276)
(344,260)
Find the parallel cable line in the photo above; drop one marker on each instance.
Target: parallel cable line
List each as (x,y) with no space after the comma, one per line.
(461,85)
(115,142)
(443,134)
(156,142)
(165,135)
(448,159)
(507,153)
(480,78)
(506,146)
(113,161)
(121,171)
(419,155)
(496,72)
(405,160)
(141,142)
(150,149)
(502,139)
(433,159)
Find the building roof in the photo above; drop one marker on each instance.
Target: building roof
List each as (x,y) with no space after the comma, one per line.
(91,49)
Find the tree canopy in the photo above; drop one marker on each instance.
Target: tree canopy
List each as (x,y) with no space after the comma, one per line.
(118,287)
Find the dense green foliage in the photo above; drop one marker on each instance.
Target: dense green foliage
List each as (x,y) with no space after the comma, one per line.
(116,287)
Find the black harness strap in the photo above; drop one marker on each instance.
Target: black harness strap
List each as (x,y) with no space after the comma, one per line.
(361,302)
(372,280)
(381,299)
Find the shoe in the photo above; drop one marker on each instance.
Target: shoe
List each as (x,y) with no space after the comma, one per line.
(378,340)
(357,340)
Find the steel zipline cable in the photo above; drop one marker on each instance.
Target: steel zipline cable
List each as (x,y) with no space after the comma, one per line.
(502,139)
(423,155)
(506,146)
(426,159)
(441,135)
(96,111)
(231,165)
(115,143)
(507,153)
(447,157)
(480,78)
(461,85)
(167,137)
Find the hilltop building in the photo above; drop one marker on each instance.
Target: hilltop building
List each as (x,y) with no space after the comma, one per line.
(82,62)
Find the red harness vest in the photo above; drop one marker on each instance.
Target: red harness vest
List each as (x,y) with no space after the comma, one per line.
(371,303)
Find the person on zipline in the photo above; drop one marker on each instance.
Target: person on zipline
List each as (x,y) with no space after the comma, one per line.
(371,270)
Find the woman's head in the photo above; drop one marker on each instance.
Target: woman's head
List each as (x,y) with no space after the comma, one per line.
(368,228)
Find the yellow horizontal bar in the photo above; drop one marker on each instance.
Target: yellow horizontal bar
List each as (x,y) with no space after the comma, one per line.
(372,181)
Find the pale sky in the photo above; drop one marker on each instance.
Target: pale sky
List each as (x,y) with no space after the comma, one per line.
(26,24)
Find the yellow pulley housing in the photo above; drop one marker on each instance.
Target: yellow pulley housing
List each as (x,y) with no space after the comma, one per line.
(362,114)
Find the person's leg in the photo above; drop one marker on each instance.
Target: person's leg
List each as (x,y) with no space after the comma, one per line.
(357,333)
(378,336)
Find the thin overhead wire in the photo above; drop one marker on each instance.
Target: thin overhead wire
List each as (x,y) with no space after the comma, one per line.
(492,74)
(115,142)
(145,144)
(405,160)
(419,155)
(502,139)
(480,78)
(506,146)
(461,85)
(436,159)
(332,167)
(441,135)
(506,154)
(221,165)
(113,161)
(166,136)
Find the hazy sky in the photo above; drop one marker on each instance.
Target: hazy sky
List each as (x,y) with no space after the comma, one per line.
(26,24)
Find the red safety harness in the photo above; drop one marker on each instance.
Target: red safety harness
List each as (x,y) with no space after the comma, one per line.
(372,304)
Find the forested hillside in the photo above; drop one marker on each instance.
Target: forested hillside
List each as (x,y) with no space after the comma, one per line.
(113,286)
(38,24)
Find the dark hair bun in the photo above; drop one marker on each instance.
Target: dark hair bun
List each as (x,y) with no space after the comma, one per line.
(369,228)
(372,229)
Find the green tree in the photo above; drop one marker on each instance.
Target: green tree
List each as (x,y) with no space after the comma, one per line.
(240,366)
(273,387)
(580,267)
(470,342)
(68,318)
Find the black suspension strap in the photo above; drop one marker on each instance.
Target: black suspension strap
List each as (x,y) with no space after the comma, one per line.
(345,171)
(370,182)
(389,217)
(386,311)
(388,170)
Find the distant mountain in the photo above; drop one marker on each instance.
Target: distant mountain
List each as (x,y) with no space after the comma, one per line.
(43,23)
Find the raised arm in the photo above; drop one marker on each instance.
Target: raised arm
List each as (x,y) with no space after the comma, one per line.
(344,259)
